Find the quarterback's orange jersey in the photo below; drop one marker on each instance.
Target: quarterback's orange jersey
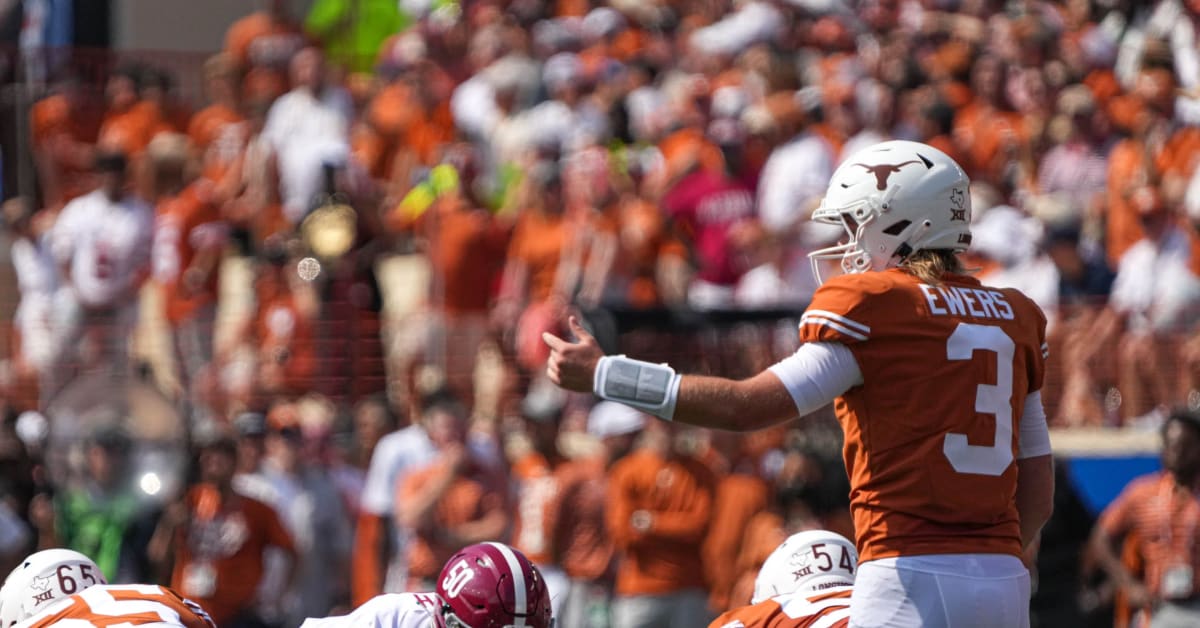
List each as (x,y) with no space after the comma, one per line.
(110,605)
(931,434)
(827,609)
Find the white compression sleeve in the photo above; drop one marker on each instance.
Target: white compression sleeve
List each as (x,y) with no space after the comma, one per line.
(1034,439)
(817,373)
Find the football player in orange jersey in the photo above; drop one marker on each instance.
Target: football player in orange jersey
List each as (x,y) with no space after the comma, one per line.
(805,583)
(63,587)
(936,380)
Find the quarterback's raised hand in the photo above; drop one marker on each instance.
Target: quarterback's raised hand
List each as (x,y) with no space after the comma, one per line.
(572,365)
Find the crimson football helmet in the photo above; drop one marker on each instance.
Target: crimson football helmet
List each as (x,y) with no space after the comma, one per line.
(491,585)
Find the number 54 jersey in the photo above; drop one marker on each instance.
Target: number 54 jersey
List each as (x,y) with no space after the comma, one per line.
(931,433)
(121,605)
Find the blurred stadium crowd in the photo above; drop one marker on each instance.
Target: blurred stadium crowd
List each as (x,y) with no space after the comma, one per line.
(332,271)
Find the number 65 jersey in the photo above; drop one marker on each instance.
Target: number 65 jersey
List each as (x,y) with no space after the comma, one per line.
(121,605)
(931,433)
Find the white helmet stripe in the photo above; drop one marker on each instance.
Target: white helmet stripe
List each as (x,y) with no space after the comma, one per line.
(520,604)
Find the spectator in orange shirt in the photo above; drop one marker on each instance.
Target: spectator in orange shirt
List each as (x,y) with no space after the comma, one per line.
(935,126)
(264,41)
(217,131)
(275,343)
(542,267)
(63,135)
(740,494)
(1162,510)
(582,544)
(535,476)
(408,118)
(466,245)
(189,237)
(644,248)
(804,497)
(217,539)
(159,102)
(285,328)
(251,183)
(455,501)
(127,125)
(987,127)
(660,504)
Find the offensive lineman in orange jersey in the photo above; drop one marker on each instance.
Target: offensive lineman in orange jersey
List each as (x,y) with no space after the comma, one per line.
(805,583)
(936,381)
(63,587)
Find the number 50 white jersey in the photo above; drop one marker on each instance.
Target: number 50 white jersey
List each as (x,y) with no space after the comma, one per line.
(393,610)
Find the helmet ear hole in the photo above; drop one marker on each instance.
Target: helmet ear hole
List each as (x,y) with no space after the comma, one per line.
(897,228)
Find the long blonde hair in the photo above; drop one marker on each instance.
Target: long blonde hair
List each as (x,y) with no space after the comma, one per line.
(930,265)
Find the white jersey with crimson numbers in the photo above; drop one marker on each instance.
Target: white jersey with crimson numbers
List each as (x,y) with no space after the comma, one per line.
(120,606)
(106,244)
(391,610)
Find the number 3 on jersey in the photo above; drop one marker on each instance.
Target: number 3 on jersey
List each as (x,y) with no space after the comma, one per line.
(994,399)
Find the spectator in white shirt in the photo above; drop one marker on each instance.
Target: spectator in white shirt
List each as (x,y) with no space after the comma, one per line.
(309,129)
(311,509)
(1011,239)
(1155,302)
(44,300)
(395,455)
(101,243)
(753,22)
(792,184)
(567,114)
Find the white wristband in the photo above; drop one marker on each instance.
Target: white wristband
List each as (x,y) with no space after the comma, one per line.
(651,388)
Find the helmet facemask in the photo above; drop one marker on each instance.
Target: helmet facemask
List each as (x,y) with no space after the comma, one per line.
(869,246)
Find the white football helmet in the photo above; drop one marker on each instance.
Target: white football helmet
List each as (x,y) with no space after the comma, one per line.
(893,199)
(810,561)
(43,578)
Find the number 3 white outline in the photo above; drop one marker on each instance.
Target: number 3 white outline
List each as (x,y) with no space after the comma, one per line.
(994,399)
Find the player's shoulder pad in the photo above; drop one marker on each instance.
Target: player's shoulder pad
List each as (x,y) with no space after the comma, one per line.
(866,284)
(842,308)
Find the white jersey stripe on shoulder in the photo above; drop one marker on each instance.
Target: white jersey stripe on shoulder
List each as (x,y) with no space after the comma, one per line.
(832,325)
(520,604)
(839,318)
(827,620)
(800,603)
